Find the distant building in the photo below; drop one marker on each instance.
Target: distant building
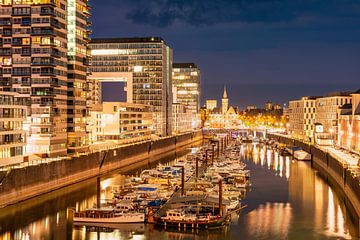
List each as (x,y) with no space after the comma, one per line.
(224,102)
(277,107)
(186,81)
(349,125)
(302,118)
(269,106)
(145,64)
(224,117)
(211,104)
(12,133)
(120,122)
(250,107)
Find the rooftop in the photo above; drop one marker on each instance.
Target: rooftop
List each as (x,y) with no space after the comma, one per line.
(184,65)
(128,40)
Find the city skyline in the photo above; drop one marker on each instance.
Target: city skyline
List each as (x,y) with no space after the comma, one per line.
(317,43)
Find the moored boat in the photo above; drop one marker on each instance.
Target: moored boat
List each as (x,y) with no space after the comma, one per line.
(103,216)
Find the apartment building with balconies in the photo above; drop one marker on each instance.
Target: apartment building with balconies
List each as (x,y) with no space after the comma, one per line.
(43,59)
(12,133)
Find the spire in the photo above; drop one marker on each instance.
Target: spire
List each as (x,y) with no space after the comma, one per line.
(225,93)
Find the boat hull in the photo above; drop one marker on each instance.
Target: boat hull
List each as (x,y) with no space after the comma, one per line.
(191,225)
(127,218)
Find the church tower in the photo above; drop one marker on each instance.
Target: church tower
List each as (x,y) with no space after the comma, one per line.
(224,102)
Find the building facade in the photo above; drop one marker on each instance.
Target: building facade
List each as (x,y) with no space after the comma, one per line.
(211,104)
(43,58)
(349,126)
(149,62)
(186,82)
(120,122)
(12,133)
(327,112)
(183,118)
(302,118)
(222,117)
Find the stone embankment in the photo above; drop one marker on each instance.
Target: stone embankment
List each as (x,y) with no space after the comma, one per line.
(18,184)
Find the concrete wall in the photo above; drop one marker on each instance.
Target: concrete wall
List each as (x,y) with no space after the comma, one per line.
(337,173)
(24,183)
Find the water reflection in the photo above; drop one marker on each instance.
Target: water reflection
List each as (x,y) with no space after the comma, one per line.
(270,220)
(312,206)
(288,200)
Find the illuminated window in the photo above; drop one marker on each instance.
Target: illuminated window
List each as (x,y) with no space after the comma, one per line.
(45,40)
(36,40)
(26,41)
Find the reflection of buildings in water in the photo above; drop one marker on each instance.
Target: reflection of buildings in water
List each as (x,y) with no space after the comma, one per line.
(335,223)
(50,227)
(313,197)
(262,156)
(270,221)
(301,185)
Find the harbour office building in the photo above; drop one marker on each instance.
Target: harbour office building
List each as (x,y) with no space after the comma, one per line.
(149,63)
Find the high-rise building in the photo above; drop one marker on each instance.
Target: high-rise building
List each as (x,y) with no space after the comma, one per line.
(43,57)
(145,64)
(78,56)
(186,81)
(12,133)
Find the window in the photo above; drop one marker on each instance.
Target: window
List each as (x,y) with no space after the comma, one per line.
(36,40)
(26,41)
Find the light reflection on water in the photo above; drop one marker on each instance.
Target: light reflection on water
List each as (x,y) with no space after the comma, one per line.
(288,200)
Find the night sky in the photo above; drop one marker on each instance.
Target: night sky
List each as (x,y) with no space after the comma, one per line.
(261,49)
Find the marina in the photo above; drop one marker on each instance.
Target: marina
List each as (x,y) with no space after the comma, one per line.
(201,190)
(281,189)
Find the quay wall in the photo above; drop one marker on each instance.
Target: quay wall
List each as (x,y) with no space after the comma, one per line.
(337,173)
(19,184)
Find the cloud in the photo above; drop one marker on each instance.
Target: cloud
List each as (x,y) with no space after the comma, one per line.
(163,13)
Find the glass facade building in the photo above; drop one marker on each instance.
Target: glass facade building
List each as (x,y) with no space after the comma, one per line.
(186,82)
(149,60)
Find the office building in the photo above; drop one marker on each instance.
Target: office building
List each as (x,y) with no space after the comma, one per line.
(43,56)
(12,133)
(120,122)
(145,64)
(186,82)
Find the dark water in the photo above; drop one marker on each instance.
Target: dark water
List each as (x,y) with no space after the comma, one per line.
(288,200)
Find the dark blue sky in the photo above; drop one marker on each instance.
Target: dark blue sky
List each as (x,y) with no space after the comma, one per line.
(261,49)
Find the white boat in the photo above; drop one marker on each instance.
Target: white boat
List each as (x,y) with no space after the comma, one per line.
(302,155)
(104,216)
